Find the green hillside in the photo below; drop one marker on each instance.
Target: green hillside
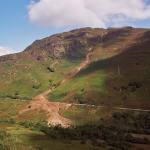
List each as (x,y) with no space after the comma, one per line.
(25,79)
(113,77)
(96,79)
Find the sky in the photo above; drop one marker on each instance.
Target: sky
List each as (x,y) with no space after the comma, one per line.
(23,21)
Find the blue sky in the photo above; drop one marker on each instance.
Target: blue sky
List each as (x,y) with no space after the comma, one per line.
(16,31)
(20,26)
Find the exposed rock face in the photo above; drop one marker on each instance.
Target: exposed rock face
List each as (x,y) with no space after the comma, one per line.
(76,43)
(73,44)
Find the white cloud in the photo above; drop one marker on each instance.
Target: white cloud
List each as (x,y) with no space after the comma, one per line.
(95,13)
(5,51)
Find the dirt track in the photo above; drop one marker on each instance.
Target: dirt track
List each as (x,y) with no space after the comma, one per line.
(52,109)
(40,103)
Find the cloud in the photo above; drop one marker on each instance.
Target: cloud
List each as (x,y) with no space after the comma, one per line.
(95,13)
(5,51)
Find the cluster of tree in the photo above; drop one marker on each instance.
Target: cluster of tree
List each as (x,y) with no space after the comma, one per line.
(98,135)
(135,122)
(115,132)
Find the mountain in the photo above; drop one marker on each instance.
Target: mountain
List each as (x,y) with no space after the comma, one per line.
(83,89)
(117,73)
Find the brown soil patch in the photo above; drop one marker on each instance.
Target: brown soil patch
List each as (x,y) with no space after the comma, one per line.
(40,103)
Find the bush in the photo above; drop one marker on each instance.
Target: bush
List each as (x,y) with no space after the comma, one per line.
(50,69)
(33,125)
(36,86)
(79,98)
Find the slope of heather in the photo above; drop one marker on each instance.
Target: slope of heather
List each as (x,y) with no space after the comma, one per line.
(117,75)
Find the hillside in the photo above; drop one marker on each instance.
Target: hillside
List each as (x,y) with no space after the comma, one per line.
(117,74)
(59,88)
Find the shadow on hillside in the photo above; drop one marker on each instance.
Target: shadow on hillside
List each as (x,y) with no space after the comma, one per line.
(137,55)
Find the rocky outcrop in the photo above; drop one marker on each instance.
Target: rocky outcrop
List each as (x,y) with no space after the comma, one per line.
(73,44)
(76,43)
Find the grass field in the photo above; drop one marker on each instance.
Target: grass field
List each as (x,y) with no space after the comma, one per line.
(81,115)
(25,79)
(21,138)
(76,89)
(24,138)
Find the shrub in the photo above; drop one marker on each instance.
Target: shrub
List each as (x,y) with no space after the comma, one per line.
(36,86)
(50,69)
